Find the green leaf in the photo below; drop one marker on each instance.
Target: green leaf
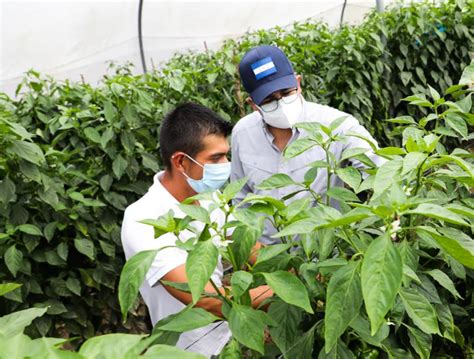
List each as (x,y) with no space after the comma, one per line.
(278,180)
(298,147)
(390,151)
(268,252)
(233,188)
(337,122)
(352,152)
(421,342)
(177,83)
(28,151)
(381,275)
(49,230)
(106,182)
(240,282)
(30,229)
(7,190)
(295,208)
(63,250)
(13,259)
(339,351)
(8,287)
(288,318)
(85,246)
(386,174)
(150,162)
(289,288)
(132,277)
(446,320)
(109,346)
(467,77)
(14,323)
(350,176)
(362,327)
(74,285)
(163,224)
(412,161)
(434,94)
(196,212)
(119,166)
(231,350)
(403,120)
(342,194)
(343,302)
(303,346)
(92,134)
(200,265)
(419,310)
(310,176)
(247,325)
(243,240)
(455,243)
(465,104)
(303,226)
(446,282)
(106,137)
(354,215)
(457,123)
(435,211)
(189,319)
(109,111)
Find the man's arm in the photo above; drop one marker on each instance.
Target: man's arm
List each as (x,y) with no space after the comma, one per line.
(212,305)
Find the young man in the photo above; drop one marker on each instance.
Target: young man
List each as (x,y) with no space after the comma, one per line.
(194,149)
(259,138)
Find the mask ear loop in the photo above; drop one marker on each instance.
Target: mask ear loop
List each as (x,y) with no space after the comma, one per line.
(192,159)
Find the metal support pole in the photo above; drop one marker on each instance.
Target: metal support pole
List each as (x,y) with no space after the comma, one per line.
(380,5)
(140,36)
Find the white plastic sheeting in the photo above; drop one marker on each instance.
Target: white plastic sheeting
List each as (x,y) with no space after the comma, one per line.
(77,39)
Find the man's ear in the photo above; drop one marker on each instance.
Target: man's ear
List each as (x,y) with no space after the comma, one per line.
(251,103)
(177,161)
(298,79)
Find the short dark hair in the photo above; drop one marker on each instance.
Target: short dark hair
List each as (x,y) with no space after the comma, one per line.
(184,128)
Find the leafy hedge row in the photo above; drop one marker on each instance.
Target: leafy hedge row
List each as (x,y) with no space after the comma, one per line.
(74,156)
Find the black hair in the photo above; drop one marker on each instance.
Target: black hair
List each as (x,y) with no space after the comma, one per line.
(184,129)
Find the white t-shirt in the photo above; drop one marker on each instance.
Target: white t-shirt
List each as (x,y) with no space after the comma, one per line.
(137,237)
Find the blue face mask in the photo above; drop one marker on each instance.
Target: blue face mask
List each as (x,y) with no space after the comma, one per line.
(214,176)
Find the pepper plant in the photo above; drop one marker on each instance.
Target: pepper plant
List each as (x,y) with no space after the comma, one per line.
(382,266)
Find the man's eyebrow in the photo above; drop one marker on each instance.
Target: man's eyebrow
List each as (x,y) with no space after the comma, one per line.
(270,98)
(218,154)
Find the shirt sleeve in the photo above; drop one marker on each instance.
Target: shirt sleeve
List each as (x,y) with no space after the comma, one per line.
(237,170)
(138,237)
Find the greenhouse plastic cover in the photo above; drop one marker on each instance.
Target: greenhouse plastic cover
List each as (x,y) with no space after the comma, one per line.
(78,39)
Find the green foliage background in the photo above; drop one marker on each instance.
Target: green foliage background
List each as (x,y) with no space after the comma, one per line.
(73,156)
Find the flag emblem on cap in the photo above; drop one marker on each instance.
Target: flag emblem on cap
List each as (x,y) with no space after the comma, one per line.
(263,68)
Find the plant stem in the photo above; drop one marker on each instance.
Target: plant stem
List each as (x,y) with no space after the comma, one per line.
(329,170)
(216,288)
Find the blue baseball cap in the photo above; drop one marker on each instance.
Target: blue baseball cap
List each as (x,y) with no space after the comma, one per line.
(264,70)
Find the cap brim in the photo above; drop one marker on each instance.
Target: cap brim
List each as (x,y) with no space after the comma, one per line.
(266,89)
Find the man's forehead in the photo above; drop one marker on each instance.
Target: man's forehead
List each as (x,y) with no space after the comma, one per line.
(215,143)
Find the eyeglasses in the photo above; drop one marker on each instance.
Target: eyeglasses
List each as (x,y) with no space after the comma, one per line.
(287,98)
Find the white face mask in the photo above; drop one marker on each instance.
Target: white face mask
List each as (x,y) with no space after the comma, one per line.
(286,114)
